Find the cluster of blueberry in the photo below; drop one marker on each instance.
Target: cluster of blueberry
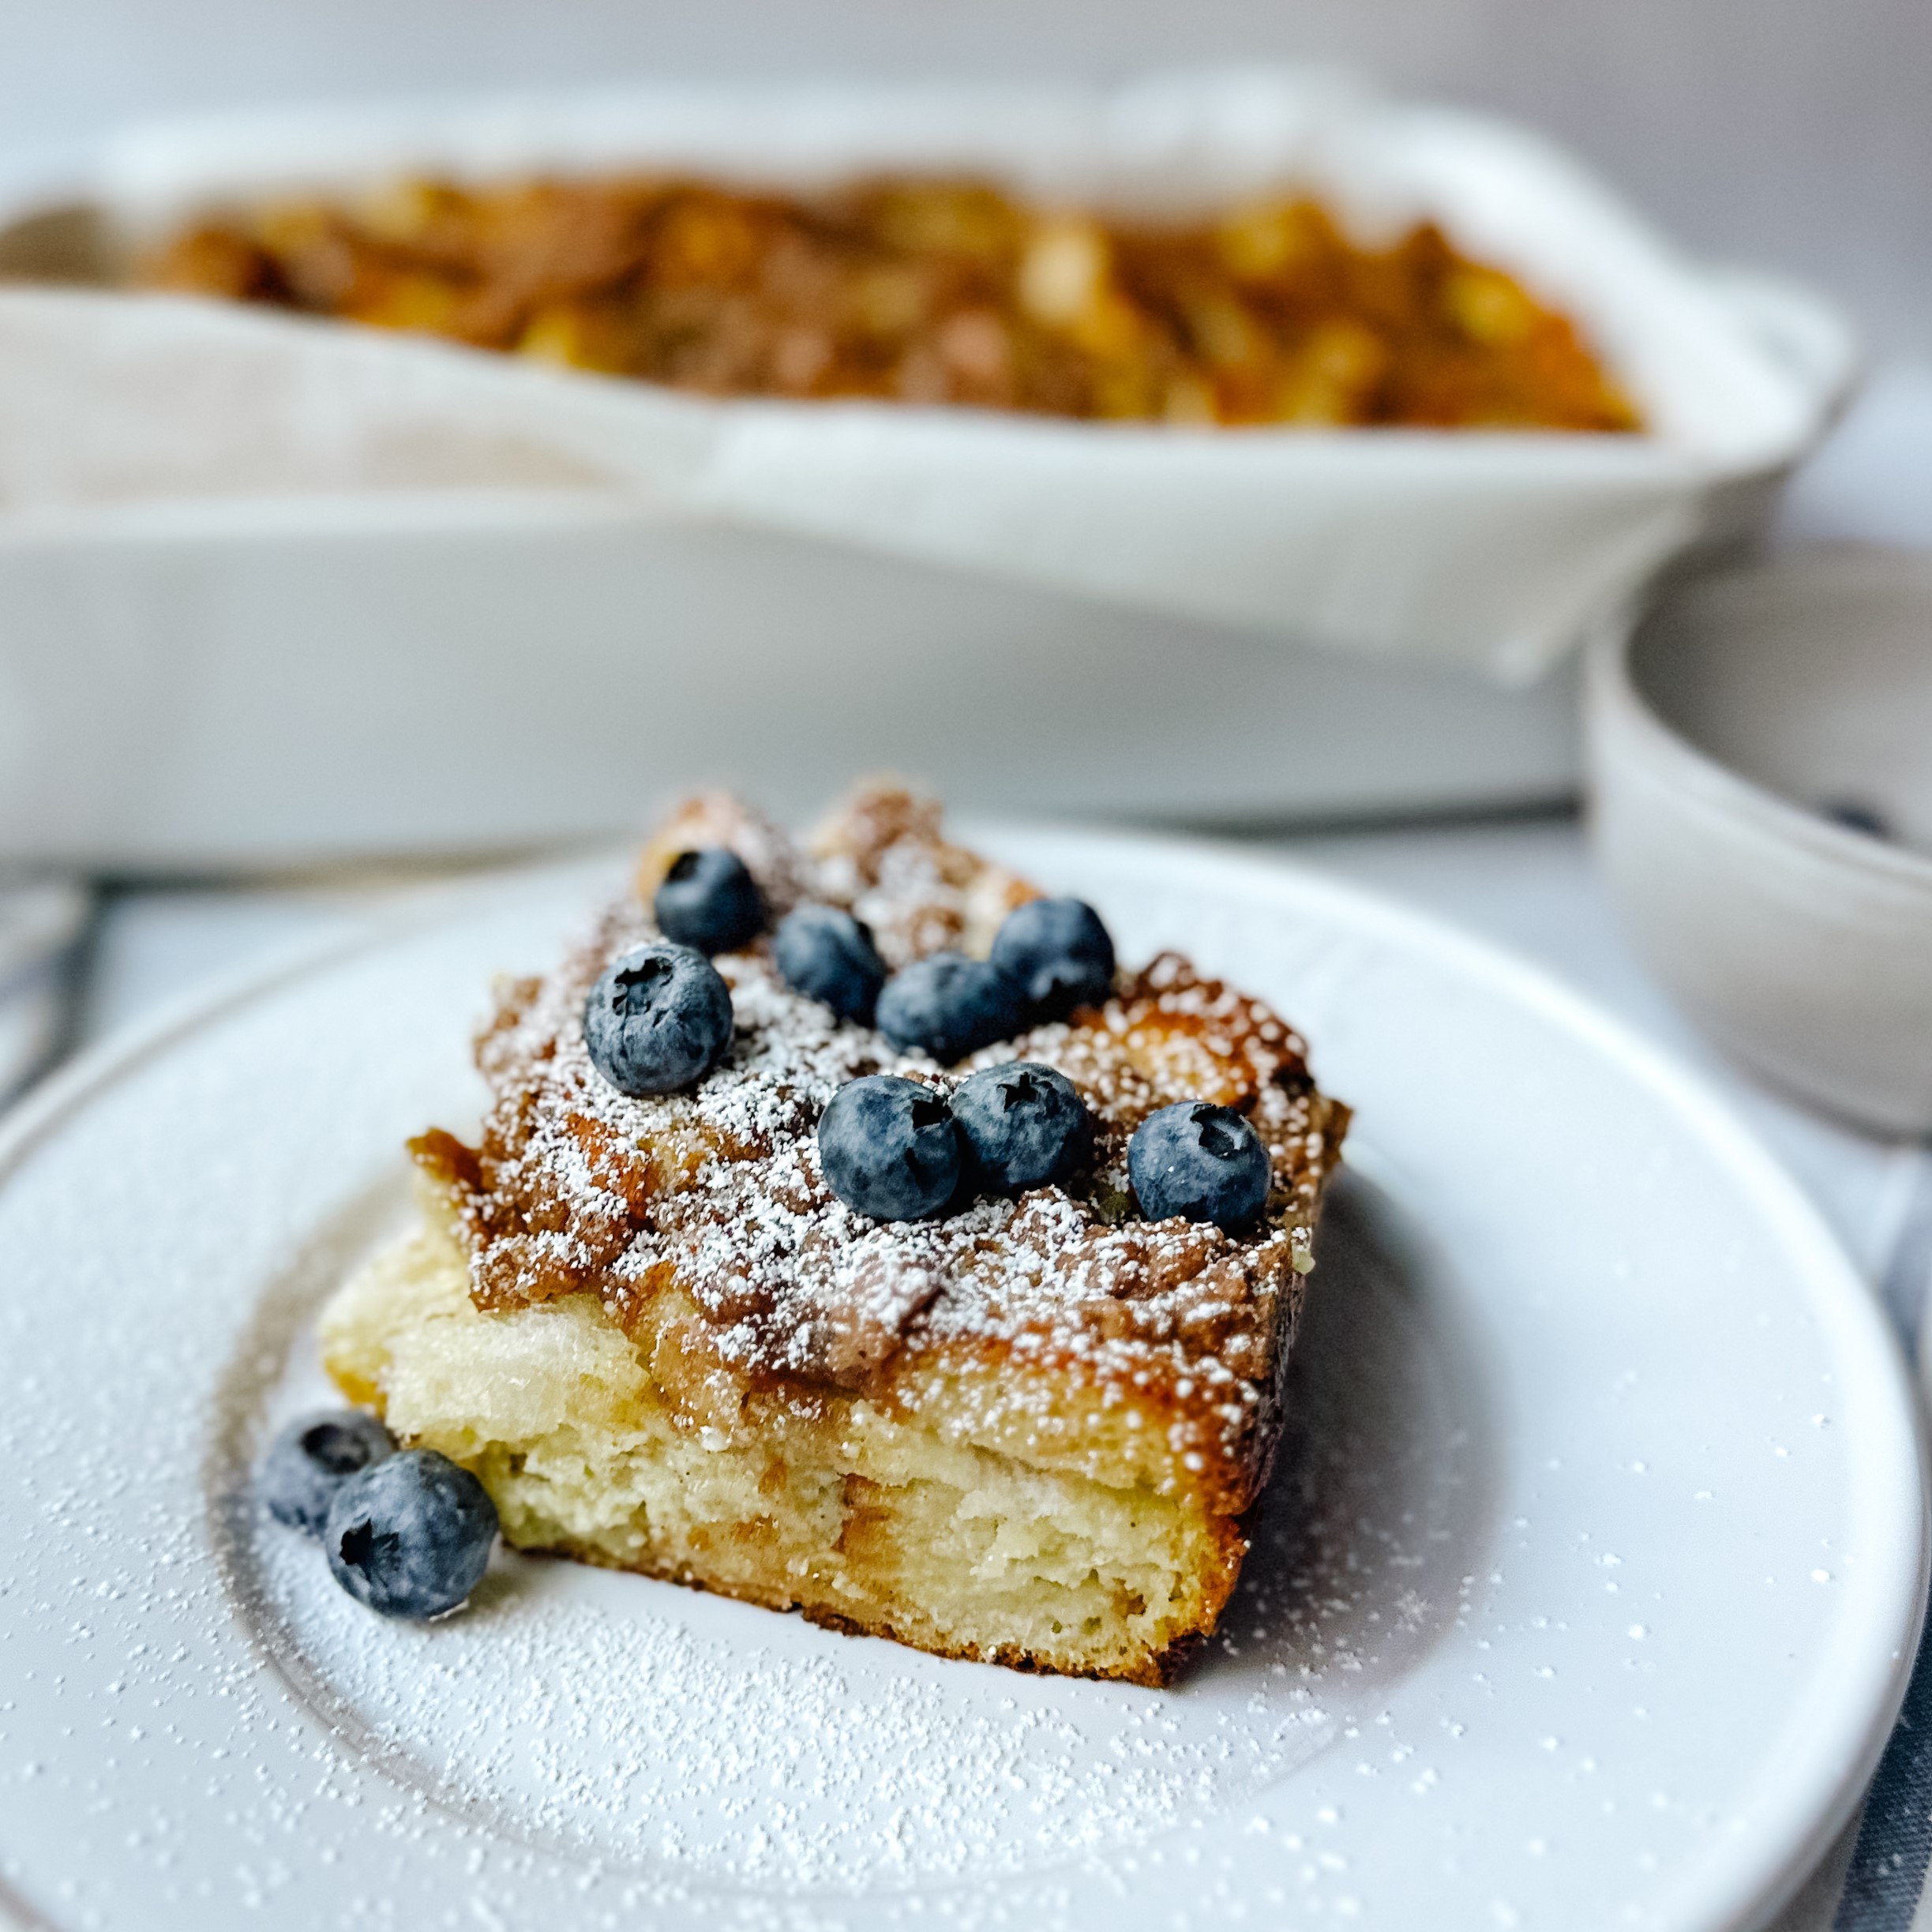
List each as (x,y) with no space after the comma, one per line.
(406,1534)
(897,1150)
(659,1018)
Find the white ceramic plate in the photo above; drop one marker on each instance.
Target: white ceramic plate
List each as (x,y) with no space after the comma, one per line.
(1583,1597)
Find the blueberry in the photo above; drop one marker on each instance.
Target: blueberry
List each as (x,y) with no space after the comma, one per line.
(411,1537)
(890,1148)
(829,956)
(709,900)
(658,1020)
(949,1005)
(1855,816)
(1058,954)
(1200,1161)
(1025,1123)
(311,1459)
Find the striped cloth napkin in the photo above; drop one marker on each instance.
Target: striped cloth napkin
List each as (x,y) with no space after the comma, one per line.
(40,923)
(1884,1884)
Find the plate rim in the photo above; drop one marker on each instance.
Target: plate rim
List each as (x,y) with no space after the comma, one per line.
(1816,1802)
(1850,1307)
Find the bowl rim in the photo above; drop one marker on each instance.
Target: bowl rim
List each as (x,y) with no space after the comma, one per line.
(1614,696)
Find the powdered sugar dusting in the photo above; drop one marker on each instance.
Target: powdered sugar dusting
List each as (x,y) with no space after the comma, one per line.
(170,1753)
(657,1731)
(578,1188)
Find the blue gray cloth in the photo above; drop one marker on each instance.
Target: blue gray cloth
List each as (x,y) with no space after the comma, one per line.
(1887,1874)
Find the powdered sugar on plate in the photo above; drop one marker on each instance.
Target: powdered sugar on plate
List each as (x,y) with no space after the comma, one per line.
(657,1728)
(1556,1415)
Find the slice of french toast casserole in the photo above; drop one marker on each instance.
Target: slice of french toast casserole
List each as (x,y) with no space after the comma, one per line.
(1023,1430)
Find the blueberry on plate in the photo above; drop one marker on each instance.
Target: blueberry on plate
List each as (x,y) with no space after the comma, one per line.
(1200,1161)
(710,901)
(1855,816)
(411,1537)
(948,1006)
(1025,1124)
(658,1020)
(829,956)
(890,1148)
(312,1458)
(1058,954)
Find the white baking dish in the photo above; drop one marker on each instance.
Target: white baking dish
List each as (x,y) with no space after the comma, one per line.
(215,684)
(270,588)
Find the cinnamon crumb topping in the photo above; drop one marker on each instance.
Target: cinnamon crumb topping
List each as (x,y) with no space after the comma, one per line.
(717,1193)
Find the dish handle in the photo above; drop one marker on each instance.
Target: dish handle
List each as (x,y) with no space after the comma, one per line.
(1809,338)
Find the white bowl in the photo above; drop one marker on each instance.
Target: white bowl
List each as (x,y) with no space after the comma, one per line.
(1723,732)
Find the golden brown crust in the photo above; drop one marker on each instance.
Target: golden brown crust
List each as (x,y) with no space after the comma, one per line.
(1062,1329)
(557,1194)
(1156,1671)
(720,819)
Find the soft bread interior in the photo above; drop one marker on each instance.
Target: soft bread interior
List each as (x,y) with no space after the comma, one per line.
(594,1445)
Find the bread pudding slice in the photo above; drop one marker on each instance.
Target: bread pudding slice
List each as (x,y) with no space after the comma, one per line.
(1025,1431)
